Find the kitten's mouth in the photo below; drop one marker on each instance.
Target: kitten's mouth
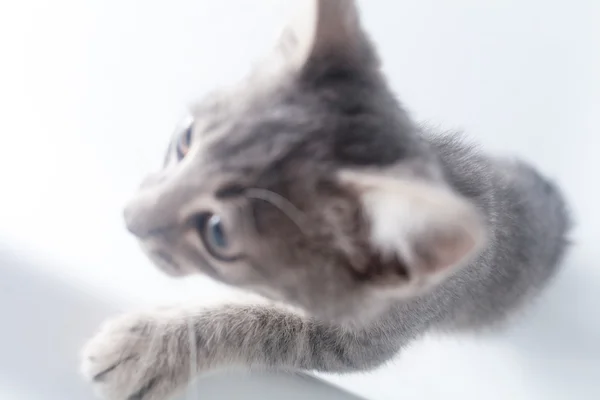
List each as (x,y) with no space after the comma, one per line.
(165,258)
(164,261)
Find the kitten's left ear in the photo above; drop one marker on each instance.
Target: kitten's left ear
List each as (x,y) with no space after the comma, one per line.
(319,28)
(419,232)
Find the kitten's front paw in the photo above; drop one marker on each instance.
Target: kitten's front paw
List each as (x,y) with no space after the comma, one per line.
(138,357)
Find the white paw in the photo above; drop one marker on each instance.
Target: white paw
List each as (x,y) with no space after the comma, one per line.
(138,357)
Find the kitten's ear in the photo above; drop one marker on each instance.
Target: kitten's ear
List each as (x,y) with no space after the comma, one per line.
(419,232)
(319,27)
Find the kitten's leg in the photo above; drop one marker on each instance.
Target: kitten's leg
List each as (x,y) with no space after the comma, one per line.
(153,356)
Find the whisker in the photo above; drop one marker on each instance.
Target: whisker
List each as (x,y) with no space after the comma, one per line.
(245,226)
(283,204)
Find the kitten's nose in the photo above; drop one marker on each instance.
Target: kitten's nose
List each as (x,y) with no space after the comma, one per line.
(148,214)
(135,222)
(159,204)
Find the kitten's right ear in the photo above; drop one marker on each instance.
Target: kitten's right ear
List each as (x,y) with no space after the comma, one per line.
(419,232)
(319,28)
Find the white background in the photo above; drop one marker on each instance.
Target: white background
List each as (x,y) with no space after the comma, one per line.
(90,91)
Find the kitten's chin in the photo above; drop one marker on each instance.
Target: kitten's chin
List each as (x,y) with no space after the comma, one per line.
(164,261)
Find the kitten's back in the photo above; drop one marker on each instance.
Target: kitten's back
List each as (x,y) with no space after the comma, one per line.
(529,223)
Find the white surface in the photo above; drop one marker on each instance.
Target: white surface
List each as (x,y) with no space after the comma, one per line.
(91,89)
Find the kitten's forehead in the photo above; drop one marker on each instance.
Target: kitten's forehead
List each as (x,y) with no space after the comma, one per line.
(244,131)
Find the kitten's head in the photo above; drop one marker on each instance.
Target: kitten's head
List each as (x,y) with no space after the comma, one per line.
(308,183)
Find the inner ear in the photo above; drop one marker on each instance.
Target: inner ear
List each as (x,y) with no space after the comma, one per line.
(318,27)
(419,232)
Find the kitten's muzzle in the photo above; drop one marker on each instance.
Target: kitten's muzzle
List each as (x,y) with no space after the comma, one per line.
(156,206)
(150,214)
(138,225)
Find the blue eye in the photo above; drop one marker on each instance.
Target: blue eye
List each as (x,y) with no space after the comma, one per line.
(215,232)
(214,236)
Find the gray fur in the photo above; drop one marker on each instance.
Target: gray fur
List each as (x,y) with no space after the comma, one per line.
(268,159)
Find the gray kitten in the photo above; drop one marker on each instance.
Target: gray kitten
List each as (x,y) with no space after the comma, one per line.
(311,186)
